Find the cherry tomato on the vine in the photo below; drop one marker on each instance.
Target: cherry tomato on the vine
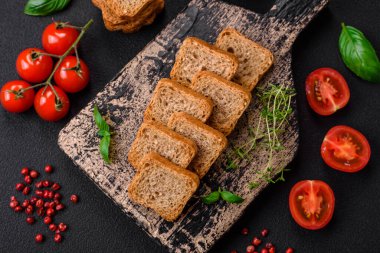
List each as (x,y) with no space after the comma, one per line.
(13,101)
(57,39)
(345,149)
(48,106)
(326,91)
(33,67)
(70,76)
(311,203)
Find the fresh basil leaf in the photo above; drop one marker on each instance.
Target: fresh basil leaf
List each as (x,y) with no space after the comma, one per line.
(45,7)
(104,148)
(358,54)
(98,117)
(211,198)
(104,133)
(104,126)
(230,197)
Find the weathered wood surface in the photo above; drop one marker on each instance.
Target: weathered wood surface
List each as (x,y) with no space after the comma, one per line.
(124,99)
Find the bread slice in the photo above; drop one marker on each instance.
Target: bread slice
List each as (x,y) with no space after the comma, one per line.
(154,137)
(254,60)
(170,97)
(210,142)
(163,186)
(128,8)
(196,55)
(153,8)
(128,25)
(230,100)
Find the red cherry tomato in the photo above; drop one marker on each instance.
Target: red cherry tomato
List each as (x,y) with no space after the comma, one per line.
(326,91)
(13,102)
(70,77)
(345,149)
(48,107)
(32,67)
(311,204)
(57,39)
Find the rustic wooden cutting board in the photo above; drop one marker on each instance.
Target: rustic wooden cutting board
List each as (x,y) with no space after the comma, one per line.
(124,100)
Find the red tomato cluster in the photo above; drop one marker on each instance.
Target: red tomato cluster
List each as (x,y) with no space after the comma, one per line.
(312,202)
(36,66)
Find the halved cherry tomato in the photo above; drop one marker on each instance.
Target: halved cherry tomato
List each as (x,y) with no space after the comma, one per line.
(70,76)
(48,107)
(56,38)
(345,149)
(32,67)
(14,102)
(326,91)
(311,204)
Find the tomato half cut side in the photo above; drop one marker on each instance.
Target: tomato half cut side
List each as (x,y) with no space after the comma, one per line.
(345,149)
(326,91)
(311,204)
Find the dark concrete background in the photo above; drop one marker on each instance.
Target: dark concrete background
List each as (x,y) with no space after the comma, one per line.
(97,225)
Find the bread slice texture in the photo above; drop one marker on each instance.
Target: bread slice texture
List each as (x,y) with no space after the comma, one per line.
(162,186)
(196,55)
(230,100)
(170,97)
(128,8)
(254,60)
(209,141)
(153,8)
(154,137)
(128,25)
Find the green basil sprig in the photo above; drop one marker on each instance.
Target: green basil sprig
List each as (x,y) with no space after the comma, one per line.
(45,7)
(104,132)
(358,54)
(227,196)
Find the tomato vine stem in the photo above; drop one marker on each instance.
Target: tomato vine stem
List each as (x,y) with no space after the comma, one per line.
(73,46)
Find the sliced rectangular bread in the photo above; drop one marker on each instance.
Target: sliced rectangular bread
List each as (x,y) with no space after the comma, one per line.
(170,97)
(128,8)
(230,100)
(254,60)
(153,8)
(162,186)
(154,137)
(210,142)
(196,55)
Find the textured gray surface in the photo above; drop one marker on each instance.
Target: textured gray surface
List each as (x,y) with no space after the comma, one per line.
(125,99)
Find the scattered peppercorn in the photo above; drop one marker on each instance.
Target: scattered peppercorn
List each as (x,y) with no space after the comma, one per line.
(33,174)
(30,220)
(57,238)
(39,238)
(74,199)
(289,250)
(256,241)
(48,169)
(264,232)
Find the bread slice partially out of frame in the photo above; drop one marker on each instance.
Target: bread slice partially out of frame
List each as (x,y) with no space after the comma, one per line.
(210,142)
(170,97)
(128,8)
(196,55)
(154,137)
(230,100)
(162,186)
(254,60)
